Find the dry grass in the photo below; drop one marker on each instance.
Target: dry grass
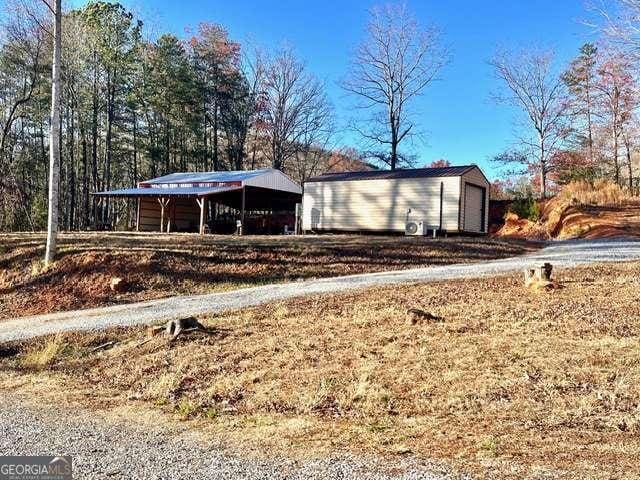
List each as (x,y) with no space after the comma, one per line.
(156,266)
(41,356)
(483,374)
(600,193)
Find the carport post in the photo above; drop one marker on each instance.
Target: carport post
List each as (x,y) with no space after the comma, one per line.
(138,216)
(201,203)
(242,213)
(163,203)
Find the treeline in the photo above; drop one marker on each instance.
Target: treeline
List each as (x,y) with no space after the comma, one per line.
(134,108)
(579,122)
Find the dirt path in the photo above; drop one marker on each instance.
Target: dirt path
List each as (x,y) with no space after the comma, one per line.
(561,254)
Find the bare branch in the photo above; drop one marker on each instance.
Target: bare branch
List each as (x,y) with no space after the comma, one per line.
(393,66)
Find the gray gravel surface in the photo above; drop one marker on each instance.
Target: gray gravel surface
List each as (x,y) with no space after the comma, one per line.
(561,254)
(109,447)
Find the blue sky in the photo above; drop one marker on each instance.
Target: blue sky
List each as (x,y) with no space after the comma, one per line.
(459,120)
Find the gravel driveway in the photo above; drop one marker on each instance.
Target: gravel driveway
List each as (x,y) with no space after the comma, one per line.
(103,446)
(561,254)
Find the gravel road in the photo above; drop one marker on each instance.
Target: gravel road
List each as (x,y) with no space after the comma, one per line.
(561,254)
(105,446)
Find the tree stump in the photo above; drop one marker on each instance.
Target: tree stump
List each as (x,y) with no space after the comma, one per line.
(538,276)
(181,325)
(118,284)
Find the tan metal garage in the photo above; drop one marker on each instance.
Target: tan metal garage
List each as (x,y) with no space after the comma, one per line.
(415,201)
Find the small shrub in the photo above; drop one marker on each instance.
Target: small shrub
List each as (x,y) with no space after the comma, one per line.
(526,207)
(38,267)
(185,408)
(491,446)
(45,356)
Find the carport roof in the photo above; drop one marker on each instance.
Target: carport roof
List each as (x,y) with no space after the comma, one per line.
(205,177)
(166,191)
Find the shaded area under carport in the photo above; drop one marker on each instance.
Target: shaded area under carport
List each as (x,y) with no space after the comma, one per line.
(223,209)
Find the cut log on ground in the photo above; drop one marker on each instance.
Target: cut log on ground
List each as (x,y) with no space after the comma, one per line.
(182,325)
(538,275)
(118,284)
(417,315)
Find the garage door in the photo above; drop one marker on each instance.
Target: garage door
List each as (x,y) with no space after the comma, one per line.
(473,208)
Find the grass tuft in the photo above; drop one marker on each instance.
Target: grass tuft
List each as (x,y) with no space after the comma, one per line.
(44,355)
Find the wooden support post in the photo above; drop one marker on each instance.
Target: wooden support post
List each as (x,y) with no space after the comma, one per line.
(201,204)
(242,228)
(164,202)
(298,225)
(161,202)
(138,217)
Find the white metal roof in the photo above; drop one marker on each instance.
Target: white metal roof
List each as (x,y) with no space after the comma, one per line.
(265,178)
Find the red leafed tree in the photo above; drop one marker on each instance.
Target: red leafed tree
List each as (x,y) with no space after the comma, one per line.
(498,189)
(441,163)
(569,165)
(346,160)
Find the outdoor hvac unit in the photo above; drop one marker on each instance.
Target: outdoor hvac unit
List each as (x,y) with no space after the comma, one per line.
(415,228)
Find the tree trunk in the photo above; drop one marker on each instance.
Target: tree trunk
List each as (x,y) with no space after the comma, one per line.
(616,165)
(54,139)
(205,153)
(394,141)
(543,168)
(85,180)
(627,145)
(109,142)
(215,136)
(589,122)
(94,140)
(135,149)
(72,170)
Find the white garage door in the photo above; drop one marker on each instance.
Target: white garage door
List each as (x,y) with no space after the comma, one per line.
(473,208)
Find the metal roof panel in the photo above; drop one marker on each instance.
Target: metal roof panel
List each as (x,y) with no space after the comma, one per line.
(205,177)
(394,174)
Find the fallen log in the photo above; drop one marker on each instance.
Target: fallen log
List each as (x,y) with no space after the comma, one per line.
(176,327)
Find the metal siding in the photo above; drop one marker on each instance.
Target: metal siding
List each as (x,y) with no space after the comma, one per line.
(187,214)
(380,204)
(473,208)
(474,177)
(274,180)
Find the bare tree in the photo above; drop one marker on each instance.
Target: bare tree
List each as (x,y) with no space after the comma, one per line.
(533,87)
(618,100)
(21,57)
(54,136)
(293,102)
(621,25)
(394,65)
(316,134)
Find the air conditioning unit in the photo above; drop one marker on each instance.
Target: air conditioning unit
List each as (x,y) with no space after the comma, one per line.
(415,228)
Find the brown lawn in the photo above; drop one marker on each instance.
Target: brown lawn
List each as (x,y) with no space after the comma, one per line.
(158,266)
(483,375)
